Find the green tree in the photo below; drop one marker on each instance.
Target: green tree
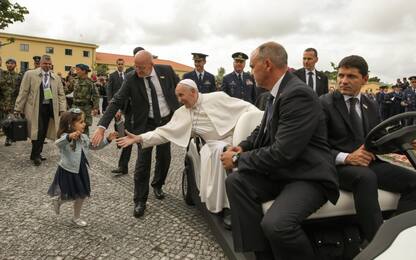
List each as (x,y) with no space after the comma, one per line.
(332,75)
(101,69)
(220,75)
(10,13)
(374,79)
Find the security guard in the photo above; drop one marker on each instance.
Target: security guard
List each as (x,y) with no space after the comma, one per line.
(239,84)
(85,94)
(9,89)
(204,79)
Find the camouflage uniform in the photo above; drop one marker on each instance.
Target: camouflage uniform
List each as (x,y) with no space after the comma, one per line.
(9,90)
(85,97)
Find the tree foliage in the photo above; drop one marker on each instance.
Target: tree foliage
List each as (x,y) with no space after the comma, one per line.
(10,13)
(220,75)
(101,69)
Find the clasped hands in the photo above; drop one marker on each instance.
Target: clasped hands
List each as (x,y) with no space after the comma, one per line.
(227,156)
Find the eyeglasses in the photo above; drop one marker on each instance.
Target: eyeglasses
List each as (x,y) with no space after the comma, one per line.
(75,110)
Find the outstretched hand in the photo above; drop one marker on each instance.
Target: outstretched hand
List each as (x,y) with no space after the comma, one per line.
(128,140)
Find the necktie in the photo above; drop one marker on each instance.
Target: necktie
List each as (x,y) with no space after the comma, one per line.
(200,77)
(310,79)
(356,122)
(269,108)
(45,80)
(239,79)
(155,103)
(121,76)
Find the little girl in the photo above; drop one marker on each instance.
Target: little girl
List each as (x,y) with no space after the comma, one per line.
(72,181)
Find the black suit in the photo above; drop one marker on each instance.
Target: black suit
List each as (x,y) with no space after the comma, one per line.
(114,84)
(134,88)
(364,181)
(287,159)
(321,80)
(206,85)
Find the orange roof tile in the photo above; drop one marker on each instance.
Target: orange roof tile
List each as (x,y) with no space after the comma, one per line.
(109,58)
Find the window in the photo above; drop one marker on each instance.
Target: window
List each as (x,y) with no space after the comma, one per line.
(68,52)
(24,65)
(86,53)
(49,50)
(24,47)
(67,68)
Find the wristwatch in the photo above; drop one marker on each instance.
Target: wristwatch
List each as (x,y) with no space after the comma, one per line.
(235,158)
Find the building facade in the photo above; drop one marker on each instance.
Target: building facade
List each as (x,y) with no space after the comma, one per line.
(64,54)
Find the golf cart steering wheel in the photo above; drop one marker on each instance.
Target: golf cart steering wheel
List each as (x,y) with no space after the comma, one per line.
(393,135)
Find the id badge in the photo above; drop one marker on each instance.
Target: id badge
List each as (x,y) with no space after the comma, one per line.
(47,93)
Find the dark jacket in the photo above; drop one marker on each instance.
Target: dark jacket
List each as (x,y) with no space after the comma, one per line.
(245,90)
(295,145)
(207,84)
(321,80)
(134,88)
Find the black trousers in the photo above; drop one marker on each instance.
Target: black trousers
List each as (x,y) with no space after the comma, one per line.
(143,165)
(279,230)
(45,113)
(364,182)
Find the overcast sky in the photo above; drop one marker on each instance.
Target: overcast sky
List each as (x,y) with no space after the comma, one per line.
(382,31)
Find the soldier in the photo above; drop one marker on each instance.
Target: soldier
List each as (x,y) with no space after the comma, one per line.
(239,84)
(204,79)
(9,85)
(396,99)
(85,94)
(381,98)
(409,95)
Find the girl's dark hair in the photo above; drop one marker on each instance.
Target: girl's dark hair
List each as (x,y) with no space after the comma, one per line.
(67,121)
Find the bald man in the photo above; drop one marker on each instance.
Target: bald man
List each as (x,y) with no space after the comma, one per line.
(151,90)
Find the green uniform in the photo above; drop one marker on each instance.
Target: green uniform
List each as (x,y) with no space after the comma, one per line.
(85,97)
(9,90)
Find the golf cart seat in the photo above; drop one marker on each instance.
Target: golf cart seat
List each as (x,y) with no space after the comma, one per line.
(345,205)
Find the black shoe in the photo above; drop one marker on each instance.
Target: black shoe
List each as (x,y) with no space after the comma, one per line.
(8,142)
(227,219)
(37,161)
(139,209)
(159,194)
(119,171)
(42,158)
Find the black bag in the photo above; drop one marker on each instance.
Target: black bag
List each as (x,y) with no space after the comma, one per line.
(335,242)
(15,128)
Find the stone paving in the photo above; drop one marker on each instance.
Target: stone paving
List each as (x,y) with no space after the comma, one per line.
(29,229)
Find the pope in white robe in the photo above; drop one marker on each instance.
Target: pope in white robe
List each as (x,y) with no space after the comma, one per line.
(211,116)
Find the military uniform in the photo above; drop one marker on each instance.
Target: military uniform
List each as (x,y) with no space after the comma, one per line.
(396,106)
(240,85)
(205,82)
(85,97)
(9,90)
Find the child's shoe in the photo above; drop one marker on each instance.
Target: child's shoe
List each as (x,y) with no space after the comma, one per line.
(79,222)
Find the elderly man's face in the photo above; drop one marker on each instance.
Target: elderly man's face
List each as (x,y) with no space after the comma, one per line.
(45,65)
(10,66)
(259,70)
(350,81)
(239,65)
(143,67)
(186,96)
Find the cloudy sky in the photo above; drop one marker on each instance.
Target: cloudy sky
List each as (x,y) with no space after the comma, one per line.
(382,31)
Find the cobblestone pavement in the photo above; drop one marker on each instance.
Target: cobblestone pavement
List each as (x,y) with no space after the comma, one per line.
(29,229)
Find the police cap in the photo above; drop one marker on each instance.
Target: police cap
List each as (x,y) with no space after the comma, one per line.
(239,56)
(36,58)
(412,78)
(12,60)
(198,56)
(83,67)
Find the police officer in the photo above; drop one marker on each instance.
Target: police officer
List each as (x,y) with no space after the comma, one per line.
(9,85)
(409,95)
(239,84)
(396,98)
(204,79)
(36,62)
(85,94)
(381,98)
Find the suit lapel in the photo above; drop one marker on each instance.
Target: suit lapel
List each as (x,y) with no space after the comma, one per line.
(364,111)
(340,105)
(142,87)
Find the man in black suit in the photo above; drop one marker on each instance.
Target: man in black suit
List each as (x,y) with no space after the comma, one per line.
(350,116)
(317,80)
(240,84)
(114,83)
(151,89)
(286,159)
(204,79)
